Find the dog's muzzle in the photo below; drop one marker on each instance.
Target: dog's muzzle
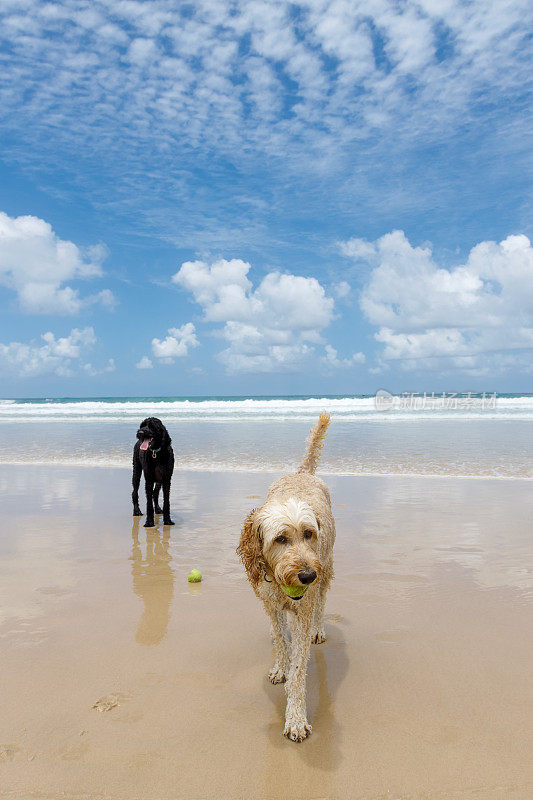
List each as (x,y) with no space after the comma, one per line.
(307,576)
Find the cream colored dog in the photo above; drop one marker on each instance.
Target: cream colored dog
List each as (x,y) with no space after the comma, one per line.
(286,547)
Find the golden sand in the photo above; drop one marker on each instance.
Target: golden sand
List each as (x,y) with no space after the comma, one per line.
(121,681)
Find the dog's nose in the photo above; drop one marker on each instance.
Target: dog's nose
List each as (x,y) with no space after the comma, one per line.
(307,576)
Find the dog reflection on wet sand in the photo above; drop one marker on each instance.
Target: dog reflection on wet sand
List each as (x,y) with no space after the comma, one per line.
(286,547)
(153,582)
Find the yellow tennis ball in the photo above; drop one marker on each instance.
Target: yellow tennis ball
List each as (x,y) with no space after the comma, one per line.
(294,591)
(194,576)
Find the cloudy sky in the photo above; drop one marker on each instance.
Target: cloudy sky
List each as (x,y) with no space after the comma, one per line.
(247,197)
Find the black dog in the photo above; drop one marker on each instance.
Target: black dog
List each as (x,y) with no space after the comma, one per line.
(154,456)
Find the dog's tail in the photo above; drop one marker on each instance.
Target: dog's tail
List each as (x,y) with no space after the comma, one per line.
(315,443)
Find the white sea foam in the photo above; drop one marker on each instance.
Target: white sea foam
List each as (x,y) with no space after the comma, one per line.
(347,408)
(228,466)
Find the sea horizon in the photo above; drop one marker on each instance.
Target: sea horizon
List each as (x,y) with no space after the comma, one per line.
(251,396)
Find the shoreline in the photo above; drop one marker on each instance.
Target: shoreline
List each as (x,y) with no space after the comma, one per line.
(252,471)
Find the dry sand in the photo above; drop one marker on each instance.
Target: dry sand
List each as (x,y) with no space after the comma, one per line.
(121,681)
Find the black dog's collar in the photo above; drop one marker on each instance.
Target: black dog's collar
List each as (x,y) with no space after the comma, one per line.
(155,452)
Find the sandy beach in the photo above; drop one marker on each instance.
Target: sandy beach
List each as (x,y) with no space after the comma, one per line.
(422,691)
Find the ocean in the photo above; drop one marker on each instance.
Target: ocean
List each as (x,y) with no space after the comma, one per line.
(467,435)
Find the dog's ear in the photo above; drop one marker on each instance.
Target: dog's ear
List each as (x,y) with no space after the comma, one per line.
(250,549)
(167,441)
(160,431)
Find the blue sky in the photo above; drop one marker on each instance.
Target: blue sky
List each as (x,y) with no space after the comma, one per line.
(323,196)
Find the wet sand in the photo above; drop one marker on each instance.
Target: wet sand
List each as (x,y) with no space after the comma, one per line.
(422,691)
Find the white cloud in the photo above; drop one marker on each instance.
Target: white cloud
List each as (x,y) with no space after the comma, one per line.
(473,317)
(144,363)
(175,345)
(141,51)
(313,75)
(109,367)
(358,249)
(342,290)
(35,263)
(221,289)
(61,356)
(268,329)
(331,359)
(106,298)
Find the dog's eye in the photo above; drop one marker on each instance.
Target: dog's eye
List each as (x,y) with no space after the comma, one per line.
(308,534)
(281,539)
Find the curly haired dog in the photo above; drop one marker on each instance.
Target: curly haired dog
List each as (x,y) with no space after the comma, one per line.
(153,455)
(286,547)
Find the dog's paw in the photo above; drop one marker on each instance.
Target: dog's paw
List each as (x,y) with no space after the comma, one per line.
(297,730)
(318,636)
(149,523)
(158,510)
(137,512)
(277,674)
(168,522)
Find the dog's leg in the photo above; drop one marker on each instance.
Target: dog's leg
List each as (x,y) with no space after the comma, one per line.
(166,503)
(297,727)
(158,509)
(149,486)
(136,479)
(318,632)
(278,631)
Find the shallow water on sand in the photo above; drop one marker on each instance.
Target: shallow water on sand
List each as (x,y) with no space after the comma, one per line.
(408,445)
(422,690)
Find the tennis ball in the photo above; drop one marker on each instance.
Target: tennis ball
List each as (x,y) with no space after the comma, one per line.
(294,591)
(194,576)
